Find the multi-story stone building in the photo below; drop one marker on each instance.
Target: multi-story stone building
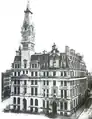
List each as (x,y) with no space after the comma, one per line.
(6,84)
(51,82)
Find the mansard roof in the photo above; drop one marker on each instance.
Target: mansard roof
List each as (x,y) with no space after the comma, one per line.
(17,58)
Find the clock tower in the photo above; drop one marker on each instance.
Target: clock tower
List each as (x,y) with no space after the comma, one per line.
(28,36)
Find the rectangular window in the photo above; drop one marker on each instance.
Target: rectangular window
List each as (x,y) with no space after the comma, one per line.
(14,73)
(61,105)
(18,82)
(61,83)
(23,72)
(18,73)
(18,66)
(35,91)
(32,73)
(61,93)
(54,83)
(32,65)
(25,90)
(35,82)
(35,73)
(18,90)
(47,82)
(35,65)
(32,91)
(47,92)
(65,93)
(44,92)
(32,82)
(47,73)
(65,83)
(25,65)
(54,91)
(43,82)
(25,82)
(15,65)
(14,90)
(44,74)
(65,105)
(47,104)
(43,103)
(26,72)
(14,81)
(54,73)
(61,73)
(64,73)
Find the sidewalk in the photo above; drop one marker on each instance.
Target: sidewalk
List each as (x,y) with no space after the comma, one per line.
(73,116)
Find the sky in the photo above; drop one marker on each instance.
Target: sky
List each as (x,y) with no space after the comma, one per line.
(65,22)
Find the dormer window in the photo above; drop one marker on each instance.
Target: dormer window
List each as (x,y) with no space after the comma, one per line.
(25,63)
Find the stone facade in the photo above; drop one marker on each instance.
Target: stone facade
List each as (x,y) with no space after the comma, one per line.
(52,82)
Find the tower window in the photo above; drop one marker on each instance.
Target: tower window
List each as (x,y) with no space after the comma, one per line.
(54,83)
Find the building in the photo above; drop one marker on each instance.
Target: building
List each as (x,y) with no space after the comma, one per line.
(48,82)
(6,84)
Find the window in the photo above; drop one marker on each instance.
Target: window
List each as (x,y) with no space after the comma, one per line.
(35,73)
(65,93)
(47,82)
(15,65)
(65,105)
(32,82)
(61,93)
(23,72)
(61,83)
(64,73)
(61,105)
(18,100)
(18,90)
(44,73)
(54,91)
(35,65)
(35,91)
(47,92)
(25,65)
(14,73)
(47,73)
(47,104)
(31,101)
(43,82)
(25,82)
(14,100)
(32,73)
(18,73)
(26,72)
(36,102)
(35,82)
(43,103)
(14,81)
(54,83)
(65,83)
(18,66)
(44,92)
(32,91)
(32,65)
(25,90)
(61,73)
(54,73)
(14,90)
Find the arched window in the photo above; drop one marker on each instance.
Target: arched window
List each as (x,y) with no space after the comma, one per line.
(36,102)
(18,100)
(14,100)
(31,101)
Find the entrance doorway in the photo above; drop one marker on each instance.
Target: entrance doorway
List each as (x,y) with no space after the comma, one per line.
(54,108)
(24,104)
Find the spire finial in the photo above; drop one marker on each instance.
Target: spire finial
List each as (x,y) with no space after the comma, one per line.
(28,7)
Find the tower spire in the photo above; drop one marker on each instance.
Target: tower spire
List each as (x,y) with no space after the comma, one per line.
(28,8)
